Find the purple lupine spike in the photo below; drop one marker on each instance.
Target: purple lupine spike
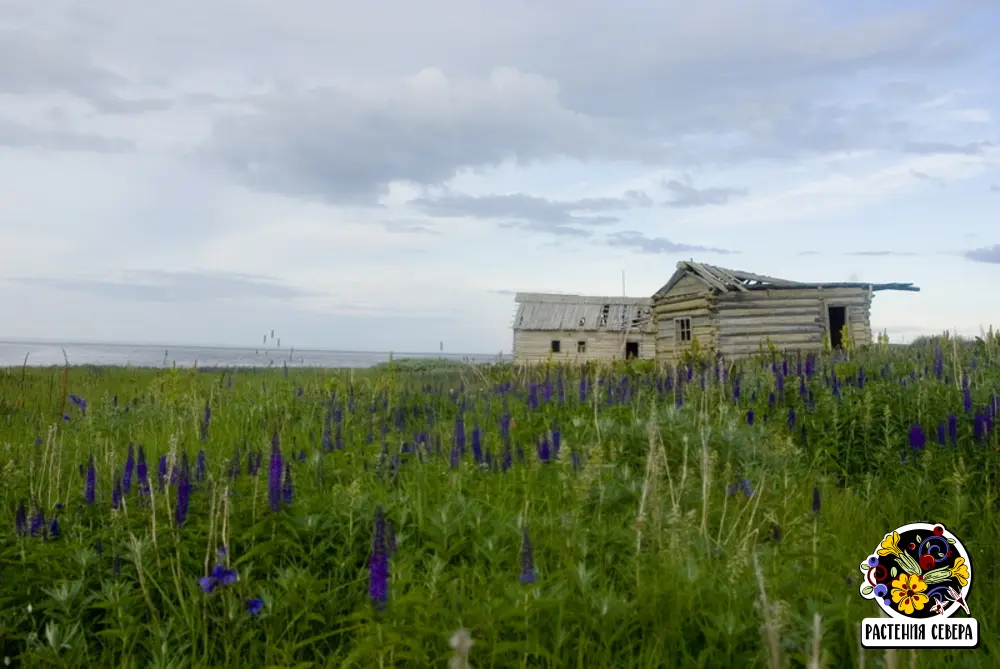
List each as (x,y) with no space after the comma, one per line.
(54,529)
(183,491)
(161,473)
(274,473)
(979,426)
(953,429)
(116,494)
(254,605)
(527,559)
(142,472)
(90,489)
(129,469)
(234,465)
(253,463)
(200,467)
(791,419)
(544,453)
(966,395)
(575,459)
(460,434)
(918,439)
(556,442)
(378,565)
(287,492)
(21,520)
(37,526)
(941,434)
(817,502)
(750,417)
(206,420)
(455,457)
(477,445)
(679,395)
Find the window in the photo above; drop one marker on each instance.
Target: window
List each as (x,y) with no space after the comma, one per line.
(581,347)
(605,312)
(682,329)
(631,350)
(556,346)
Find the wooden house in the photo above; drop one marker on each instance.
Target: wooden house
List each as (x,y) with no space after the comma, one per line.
(577,328)
(736,313)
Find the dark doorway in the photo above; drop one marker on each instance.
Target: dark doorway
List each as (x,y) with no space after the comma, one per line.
(838,319)
(631,350)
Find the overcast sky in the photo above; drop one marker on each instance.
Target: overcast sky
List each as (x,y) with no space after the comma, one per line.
(386,174)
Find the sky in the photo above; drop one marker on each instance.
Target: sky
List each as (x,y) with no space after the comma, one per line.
(386,175)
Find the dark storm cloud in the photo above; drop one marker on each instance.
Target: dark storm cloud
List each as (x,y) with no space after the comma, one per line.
(166,286)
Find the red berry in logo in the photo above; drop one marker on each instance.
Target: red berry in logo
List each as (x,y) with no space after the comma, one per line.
(927,562)
(912,546)
(938,530)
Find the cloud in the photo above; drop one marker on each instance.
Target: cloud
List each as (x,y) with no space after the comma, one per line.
(995,188)
(880,253)
(937,148)
(33,63)
(916,174)
(686,195)
(636,241)
(571,217)
(987,254)
(21,136)
(409,226)
(173,286)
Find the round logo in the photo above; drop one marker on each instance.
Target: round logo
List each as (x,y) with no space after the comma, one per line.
(918,571)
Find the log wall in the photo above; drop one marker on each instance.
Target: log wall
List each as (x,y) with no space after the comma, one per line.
(688,298)
(534,346)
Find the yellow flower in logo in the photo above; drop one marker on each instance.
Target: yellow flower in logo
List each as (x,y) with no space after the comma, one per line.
(960,571)
(908,593)
(889,545)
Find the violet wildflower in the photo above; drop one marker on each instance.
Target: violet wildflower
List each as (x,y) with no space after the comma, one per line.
(116,494)
(37,523)
(274,474)
(161,473)
(254,605)
(750,416)
(89,492)
(966,395)
(527,559)
(200,466)
(941,434)
(218,577)
(791,419)
(129,469)
(287,492)
(918,440)
(378,565)
(79,402)
(21,520)
(743,486)
(205,422)
(54,529)
(234,465)
(556,442)
(979,426)
(477,445)
(544,453)
(953,429)
(183,491)
(142,472)
(817,502)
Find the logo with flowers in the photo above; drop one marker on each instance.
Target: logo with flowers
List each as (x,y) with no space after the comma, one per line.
(918,571)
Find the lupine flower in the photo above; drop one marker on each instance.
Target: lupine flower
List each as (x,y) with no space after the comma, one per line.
(89,492)
(775,532)
(544,453)
(477,445)
(743,486)
(918,440)
(161,472)
(953,429)
(79,402)
(200,466)
(129,469)
(234,465)
(966,395)
(941,434)
(274,474)
(253,463)
(37,523)
(254,605)
(54,529)
(21,520)
(979,426)
(791,419)
(183,491)
(142,472)
(817,503)
(378,565)
(287,491)
(556,442)
(750,416)
(205,421)
(218,577)
(116,494)
(527,559)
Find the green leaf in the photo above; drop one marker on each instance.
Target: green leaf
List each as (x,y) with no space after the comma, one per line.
(918,538)
(951,540)
(893,572)
(864,566)
(867,590)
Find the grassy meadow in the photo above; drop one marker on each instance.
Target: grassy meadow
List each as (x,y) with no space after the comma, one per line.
(620,516)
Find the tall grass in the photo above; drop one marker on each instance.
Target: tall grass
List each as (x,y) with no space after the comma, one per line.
(667,528)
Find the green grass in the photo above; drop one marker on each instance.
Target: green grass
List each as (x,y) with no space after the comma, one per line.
(674,588)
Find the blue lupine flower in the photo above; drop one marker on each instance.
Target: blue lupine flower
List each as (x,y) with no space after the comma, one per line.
(129,469)
(527,559)
(287,492)
(254,606)
(90,490)
(918,440)
(378,565)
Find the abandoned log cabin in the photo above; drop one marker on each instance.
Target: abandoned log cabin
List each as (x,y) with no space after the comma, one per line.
(735,313)
(577,328)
